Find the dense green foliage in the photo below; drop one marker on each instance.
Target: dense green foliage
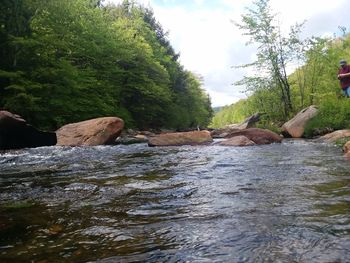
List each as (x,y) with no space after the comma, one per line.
(69,60)
(231,114)
(313,82)
(275,52)
(334,114)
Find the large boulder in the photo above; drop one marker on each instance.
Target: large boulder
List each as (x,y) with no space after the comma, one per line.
(258,136)
(181,138)
(296,126)
(334,136)
(346,149)
(247,123)
(97,131)
(16,133)
(237,141)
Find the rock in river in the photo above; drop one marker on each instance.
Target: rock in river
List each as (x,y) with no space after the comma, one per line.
(346,149)
(237,141)
(259,136)
(97,131)
(16,133)
(334,136)
(181,138)
(247,123)
(295,127)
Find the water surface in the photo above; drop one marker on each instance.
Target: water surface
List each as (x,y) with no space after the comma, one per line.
(286,202)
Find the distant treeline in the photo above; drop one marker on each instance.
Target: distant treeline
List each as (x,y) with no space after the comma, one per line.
(280,96)
(64,61)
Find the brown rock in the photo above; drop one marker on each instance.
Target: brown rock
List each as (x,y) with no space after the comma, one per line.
(259,136)
(97,131)
(333,136)
(181,138)
(16,133)
(346,149)
(237,141)
(296,126)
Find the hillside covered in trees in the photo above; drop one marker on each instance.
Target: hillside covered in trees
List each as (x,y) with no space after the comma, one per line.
(278,95)
(70,60)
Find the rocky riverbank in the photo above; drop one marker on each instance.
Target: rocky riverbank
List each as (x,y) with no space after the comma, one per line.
(16,133)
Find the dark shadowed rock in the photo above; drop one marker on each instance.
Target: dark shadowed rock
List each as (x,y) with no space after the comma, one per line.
(237,141)
(259,136)
(126,140)
(296,126)
(130,136)
(97,131)
(16,133)
(181,138)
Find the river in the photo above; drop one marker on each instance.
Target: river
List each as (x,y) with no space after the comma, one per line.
(287,202)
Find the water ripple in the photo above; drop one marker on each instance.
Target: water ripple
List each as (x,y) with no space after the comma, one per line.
(270,203)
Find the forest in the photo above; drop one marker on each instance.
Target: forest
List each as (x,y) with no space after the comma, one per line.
(291,73)
(65,61)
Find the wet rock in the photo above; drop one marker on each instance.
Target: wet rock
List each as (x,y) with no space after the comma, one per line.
(132,137)
(237,141)
(16,133)
(131,140)
(181,138)
(258,136)
(55,229)
(296,126)
(346,149)
(246,124)
(334,136)
(97,131)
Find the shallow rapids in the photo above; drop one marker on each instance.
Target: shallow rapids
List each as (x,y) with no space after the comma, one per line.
(286,202)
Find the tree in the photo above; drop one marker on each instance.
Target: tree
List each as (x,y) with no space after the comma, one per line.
(64,61)
(275,52)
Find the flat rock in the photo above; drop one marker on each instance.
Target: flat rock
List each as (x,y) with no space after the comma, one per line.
(237,141)
(181,138)
(336,135)
(257,135)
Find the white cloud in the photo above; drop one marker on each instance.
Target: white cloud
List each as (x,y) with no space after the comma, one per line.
(199,2)
(299,10)
(210,44)
(203,37)
(223,97)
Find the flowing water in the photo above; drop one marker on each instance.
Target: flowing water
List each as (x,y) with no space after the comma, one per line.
(286,202)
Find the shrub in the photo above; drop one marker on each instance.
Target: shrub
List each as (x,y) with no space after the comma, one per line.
(334,113)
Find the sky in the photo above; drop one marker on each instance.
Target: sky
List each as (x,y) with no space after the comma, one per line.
(212,46)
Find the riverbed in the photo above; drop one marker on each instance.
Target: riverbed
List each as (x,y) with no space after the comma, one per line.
(287,202)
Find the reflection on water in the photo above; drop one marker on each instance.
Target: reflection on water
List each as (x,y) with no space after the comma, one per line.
(287,202)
